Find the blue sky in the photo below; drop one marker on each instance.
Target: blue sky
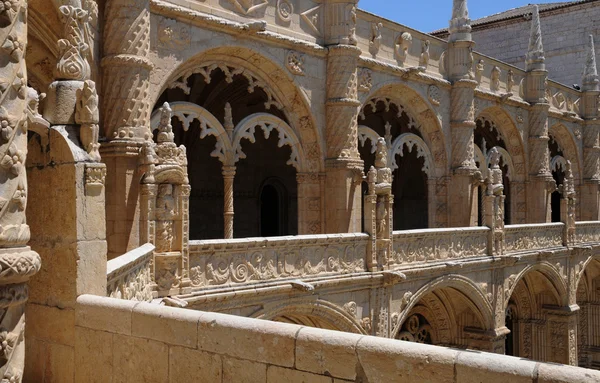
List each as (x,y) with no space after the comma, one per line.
(429,15)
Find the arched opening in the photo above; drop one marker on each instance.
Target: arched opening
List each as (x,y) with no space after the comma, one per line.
(250,156)
(487,136)
(381,117)
(446,317)
(535,318)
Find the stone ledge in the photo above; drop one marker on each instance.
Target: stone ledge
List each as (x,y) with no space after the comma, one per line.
(304,352)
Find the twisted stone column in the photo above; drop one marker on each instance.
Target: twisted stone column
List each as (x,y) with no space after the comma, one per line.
(541,183)
(228,213)
(343,165)
(17,261)
(126,113)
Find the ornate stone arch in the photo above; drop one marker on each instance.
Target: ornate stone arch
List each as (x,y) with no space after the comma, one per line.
(365,133)
(547,270)
(265,73)
(332,315)
(427,122)
(563,136)
(186,113)
(412,141)
(462,284)
(246,130)
(511,137)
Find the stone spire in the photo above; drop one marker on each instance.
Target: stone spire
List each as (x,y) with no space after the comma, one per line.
(460,25)
(535,53)
(590,72)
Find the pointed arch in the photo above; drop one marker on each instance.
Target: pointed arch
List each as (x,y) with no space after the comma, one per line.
(478,302)
(365,133)
(426,118)
(265,73)
(566,141)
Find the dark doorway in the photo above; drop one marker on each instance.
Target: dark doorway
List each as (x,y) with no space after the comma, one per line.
(272,210)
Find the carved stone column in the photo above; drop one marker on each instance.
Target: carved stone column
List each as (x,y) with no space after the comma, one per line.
(378,211)
(228,213)
(459,63)
(126,115)
(568,206)
(164,217)
(591,140)
(343,165)
(493,206)
(541,182)
(18,262)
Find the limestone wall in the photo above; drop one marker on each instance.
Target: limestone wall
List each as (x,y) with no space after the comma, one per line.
(122,341)
(564,34)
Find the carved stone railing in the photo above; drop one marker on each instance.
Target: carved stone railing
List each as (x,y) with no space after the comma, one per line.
(129,276)
(433,245)
(587,232)
(533,237)
(247,260)
(494,76)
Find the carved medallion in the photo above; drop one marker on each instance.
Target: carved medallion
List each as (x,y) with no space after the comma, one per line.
(295,63)
(285,10)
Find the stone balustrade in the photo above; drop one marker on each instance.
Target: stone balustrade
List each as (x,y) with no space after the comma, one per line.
(430,245)
(235,261)
(530,237)
(129,276)
(494,76)
(587,232)
(163,344)
(563,99)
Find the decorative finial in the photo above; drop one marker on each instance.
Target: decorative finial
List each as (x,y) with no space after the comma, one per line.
(381,154)
(535,54)
(460,25)
(494,158)
(165,130)
(590,72)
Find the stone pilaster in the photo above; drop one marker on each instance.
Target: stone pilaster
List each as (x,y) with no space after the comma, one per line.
(343,165)
(126,113)
(18,262)
(462,117)
(310,203)
(561,345)
(541,183)
(590,193)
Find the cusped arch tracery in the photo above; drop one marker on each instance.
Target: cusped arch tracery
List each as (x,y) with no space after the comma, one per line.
(500,120)
(307,311)
(261,72)
(420,112)
(478,301)
(566,142)
(269,124)
(410,142)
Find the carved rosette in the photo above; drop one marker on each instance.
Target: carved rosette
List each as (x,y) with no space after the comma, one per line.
(17,262)
(127,70)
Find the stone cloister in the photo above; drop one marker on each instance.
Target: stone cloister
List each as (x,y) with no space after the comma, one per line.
(296,161)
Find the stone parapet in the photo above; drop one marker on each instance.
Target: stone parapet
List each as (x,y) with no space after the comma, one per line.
(162,343)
